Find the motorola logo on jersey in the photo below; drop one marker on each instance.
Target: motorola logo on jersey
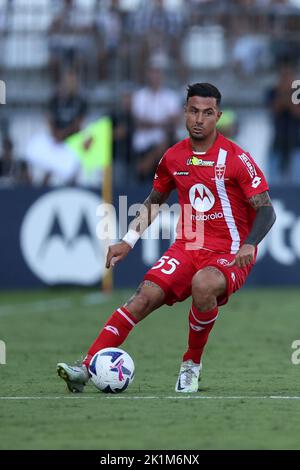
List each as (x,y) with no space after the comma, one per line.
(58,238)
(201,198)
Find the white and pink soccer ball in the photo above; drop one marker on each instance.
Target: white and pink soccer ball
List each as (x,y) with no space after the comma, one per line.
(112,370)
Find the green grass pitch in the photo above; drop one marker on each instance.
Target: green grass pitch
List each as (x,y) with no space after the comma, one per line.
(247,361)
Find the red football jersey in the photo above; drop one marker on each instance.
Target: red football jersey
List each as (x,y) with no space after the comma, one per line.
(213,191)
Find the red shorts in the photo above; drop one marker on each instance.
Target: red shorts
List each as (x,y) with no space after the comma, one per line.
(175,269)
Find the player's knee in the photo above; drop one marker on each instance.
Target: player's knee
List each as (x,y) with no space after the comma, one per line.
(204,289)
(201,285)
(202,298)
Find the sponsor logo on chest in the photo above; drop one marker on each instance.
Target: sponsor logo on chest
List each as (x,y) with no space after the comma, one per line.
(219,170)
(195,161)
(203,200)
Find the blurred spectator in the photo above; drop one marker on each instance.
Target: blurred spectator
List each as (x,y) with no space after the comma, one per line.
(285,155)
(156,111)
(67,108)
(12,171)
(112,47)
(7,164)
(71,39)
(123,128)
(157,30)
(250,50)
(52,161)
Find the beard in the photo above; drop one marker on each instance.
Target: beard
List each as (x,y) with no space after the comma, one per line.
(198,137)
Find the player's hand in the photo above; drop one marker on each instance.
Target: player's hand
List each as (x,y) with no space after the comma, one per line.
(244,256)
(116,253)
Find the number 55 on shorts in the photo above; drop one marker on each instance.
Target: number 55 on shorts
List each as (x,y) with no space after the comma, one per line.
(166,264)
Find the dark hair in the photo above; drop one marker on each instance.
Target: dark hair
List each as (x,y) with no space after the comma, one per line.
(206,90)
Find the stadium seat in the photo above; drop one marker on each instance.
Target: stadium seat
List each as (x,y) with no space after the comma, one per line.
(204,47)
(86,4)
(24,14)
(25,51)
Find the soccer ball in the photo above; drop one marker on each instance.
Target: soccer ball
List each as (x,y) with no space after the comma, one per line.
(112,370)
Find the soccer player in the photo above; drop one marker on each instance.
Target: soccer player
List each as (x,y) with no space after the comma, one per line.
(225,212)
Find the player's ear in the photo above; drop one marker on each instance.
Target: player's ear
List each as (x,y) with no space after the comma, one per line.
(219,114)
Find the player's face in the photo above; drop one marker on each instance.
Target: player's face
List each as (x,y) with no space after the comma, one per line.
(202,115)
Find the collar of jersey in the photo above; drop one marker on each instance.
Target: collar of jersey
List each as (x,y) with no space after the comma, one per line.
(215,145)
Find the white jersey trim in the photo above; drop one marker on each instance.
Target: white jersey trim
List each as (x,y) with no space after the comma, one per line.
(220,184)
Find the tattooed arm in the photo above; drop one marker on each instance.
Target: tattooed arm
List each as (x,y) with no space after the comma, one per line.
(143,218)
(265,218)
(148,211)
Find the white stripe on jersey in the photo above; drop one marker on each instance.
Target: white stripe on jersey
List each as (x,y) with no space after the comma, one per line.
(220,183)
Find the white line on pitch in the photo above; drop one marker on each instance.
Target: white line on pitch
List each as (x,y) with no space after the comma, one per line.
(180,397)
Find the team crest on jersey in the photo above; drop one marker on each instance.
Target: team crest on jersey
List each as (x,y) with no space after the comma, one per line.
(220,172)
(223,262)
(195,161)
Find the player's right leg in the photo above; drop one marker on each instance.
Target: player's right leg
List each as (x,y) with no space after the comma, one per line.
(76,376)
(148,297)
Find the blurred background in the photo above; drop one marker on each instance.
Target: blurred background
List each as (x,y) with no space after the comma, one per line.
(94,95)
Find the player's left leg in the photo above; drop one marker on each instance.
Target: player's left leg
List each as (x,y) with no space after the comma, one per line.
(212,285)
(208,284)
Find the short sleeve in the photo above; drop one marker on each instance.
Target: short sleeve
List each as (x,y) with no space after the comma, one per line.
(163,179)
(249,176)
